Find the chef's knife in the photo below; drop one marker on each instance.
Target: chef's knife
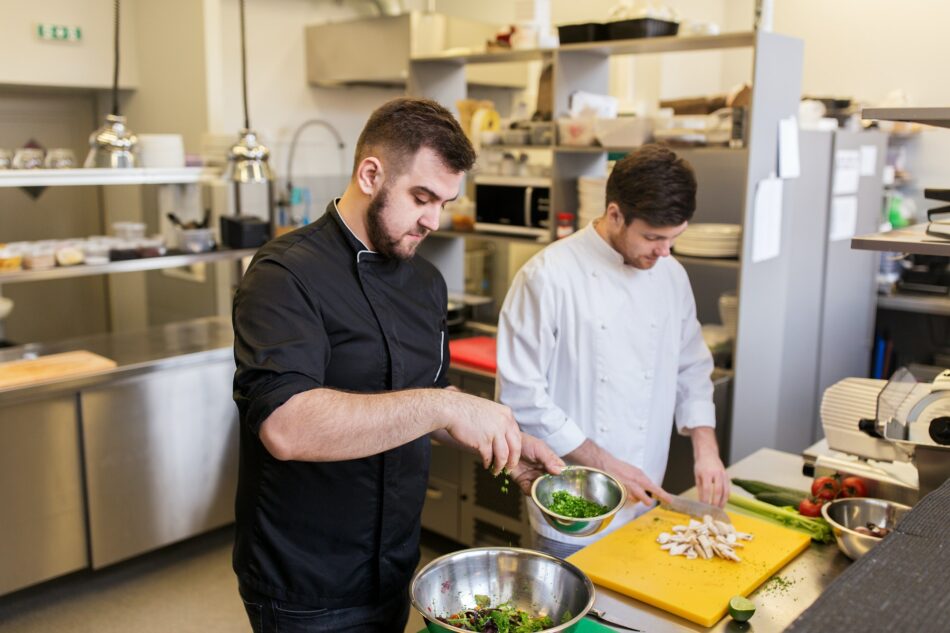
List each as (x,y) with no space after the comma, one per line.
(610,619)
(696,509)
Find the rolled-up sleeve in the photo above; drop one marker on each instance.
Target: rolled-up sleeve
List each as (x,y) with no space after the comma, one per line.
(280,343)
(526,345)
(694,388)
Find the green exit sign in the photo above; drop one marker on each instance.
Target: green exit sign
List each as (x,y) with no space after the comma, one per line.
(58,32)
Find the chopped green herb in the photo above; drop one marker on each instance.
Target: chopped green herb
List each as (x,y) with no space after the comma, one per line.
(566,504)
(501,619)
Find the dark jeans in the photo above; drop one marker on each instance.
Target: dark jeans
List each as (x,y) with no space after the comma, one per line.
(268,615)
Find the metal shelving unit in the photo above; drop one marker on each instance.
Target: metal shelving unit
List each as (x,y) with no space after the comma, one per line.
(124,266)
(89,177)
(912,240)
(921,304)
(484,235)
(938,117)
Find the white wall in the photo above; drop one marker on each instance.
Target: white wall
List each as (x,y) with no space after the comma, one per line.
(29,61)
(866,48)
(279,96)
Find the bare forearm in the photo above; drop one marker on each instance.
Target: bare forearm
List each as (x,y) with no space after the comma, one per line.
(588,454)
(704,441)
(329,425)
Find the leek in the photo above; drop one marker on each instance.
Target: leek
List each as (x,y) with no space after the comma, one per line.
(817,528)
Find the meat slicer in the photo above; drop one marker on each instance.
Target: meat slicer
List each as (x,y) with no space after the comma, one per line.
(894,433)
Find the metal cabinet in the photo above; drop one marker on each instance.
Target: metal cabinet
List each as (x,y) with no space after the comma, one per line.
(464,501)
(42,523)
(161,458)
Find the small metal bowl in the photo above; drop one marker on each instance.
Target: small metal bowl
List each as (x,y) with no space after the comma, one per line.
(581,481)
(535,582)
(843,515)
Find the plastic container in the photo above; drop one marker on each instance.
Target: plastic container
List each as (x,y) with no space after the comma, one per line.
(542,133)
(96,252)
(640,27)
(151,246)
(628,131)
(515,137)
(576,33)
(575,131)
(129,230)
(39,257)
(196,240)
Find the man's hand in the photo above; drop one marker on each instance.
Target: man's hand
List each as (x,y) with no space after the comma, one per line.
(486,427)
(537,458)
(634,480)
(712,483)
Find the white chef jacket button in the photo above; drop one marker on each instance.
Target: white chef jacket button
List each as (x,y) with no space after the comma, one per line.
(603,379)
(648,374)
(593,274)
(603,429)
(603,326)
(653,325)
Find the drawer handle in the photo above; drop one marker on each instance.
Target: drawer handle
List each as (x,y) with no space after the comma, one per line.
(433,493)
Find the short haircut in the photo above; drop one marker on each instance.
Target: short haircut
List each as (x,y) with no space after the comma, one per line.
(399,128)
(654,185)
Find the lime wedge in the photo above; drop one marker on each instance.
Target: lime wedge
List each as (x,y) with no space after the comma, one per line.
(741,609)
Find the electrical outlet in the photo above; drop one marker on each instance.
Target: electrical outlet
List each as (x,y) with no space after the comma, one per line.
(58,33)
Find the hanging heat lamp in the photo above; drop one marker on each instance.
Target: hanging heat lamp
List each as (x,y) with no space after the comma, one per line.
(248,158)
(113,144)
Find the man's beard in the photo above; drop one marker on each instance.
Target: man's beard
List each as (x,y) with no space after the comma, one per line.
(377,231)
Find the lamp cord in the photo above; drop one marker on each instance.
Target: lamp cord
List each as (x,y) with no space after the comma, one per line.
(247,123)
(115,70)
(293,148)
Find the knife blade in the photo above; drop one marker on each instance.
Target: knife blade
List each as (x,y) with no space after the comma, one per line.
(600,614)
(695,509)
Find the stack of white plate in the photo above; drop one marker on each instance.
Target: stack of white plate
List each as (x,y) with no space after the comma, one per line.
(710,240)
(591,196)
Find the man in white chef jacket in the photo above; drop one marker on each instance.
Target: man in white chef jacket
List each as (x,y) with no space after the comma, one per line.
(599,348)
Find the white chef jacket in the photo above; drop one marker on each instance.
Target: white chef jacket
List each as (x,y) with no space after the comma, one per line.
(589,347)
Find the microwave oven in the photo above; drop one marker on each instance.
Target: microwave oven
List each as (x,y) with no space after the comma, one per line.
(516,209)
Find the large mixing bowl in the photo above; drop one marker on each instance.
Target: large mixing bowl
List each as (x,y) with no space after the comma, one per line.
(843,515)
(535,582)
(581,481)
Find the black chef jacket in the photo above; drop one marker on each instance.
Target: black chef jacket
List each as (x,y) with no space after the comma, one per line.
(317,309)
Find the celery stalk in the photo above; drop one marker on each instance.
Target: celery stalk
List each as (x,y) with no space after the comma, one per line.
(817,528)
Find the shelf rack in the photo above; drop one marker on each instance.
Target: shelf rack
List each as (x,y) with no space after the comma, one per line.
(124,266)
(100,176)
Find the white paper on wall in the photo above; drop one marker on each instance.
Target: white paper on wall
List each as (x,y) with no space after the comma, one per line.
(868,159)
(844,218)
(847,164)
(767,220)
(789,165)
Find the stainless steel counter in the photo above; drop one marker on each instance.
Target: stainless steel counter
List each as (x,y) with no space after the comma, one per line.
(777,606)
(162,347)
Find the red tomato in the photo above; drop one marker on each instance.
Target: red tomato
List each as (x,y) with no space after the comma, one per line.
(825,488)
(853,487)
(810,507)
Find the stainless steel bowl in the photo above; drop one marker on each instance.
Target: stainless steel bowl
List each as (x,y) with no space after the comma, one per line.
(843,515)
(535,582)
(582,481)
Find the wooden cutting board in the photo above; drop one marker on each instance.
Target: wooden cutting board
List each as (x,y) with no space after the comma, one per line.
(631,562)
(18,373)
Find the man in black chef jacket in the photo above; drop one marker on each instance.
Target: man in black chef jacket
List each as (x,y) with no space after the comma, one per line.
(342,351)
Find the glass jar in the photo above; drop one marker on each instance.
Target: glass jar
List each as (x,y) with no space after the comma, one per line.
(565,224)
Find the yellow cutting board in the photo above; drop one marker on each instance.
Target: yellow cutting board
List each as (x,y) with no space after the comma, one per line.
(18,373)
(631,562)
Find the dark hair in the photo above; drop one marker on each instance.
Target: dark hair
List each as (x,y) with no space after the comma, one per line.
(400,127)
(655,185)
